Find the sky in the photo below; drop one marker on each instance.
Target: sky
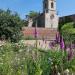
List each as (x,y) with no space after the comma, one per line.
(23,7)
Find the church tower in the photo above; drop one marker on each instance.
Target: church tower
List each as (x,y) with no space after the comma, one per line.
(50,13)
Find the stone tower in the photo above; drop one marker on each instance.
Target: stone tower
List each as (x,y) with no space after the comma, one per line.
(50,13)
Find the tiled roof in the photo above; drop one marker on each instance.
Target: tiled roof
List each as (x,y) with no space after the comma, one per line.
(42,33)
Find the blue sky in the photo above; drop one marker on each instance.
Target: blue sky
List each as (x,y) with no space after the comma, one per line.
(64,7)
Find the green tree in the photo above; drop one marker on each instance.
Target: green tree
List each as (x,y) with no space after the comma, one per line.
(10,25)
(33,14)
(68,33)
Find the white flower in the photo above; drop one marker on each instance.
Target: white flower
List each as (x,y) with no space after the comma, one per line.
(1,63)
(11,69)
(3,55)
(1,59)
(22,65)
(67,70)
(58,73)
(23,58)
(18,59)
(20,50)
(51,63)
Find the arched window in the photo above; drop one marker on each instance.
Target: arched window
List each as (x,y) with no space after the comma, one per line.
(52,5)
(45,5)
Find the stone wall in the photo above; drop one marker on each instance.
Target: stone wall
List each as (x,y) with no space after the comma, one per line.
(40,33)
(43,44)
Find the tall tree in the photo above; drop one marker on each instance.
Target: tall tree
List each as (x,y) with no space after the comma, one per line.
(68,33)
(10,25)
(33,14)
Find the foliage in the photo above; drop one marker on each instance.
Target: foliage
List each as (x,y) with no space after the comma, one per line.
(29,38)
(68,32)
(64,20)
(10,25)
(33,14)
(18,59)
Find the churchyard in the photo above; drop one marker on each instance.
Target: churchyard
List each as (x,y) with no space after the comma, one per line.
(19,56)
(34,56)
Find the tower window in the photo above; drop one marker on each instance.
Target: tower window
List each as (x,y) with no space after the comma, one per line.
(52,5)
(45,5)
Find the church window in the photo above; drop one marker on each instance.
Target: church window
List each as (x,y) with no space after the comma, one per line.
(46,8)
(52,5)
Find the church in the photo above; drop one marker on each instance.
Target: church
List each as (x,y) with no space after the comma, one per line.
(45,25)
(49,17)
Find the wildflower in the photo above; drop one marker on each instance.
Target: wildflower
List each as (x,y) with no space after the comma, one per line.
(73,46)
(20,50)
(58,73)
(1,59)
(66,72)
(24,58)
(3,55)
(70,54)
(35,33)
(1,63)
(56,38)
(22,65)
(51,45)
(18,59)
(62,43)
(11,69)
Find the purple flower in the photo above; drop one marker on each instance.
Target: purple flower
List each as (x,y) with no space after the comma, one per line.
(69,51)
(57,38)
(62,43)
(51,44)
(73,46)
(35,33)
(70,54)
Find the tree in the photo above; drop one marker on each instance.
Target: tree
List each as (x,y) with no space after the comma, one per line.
(64,20)
(33,14)
(68,33)
(10,25)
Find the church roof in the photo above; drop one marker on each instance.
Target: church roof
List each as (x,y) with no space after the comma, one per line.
(68,18)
